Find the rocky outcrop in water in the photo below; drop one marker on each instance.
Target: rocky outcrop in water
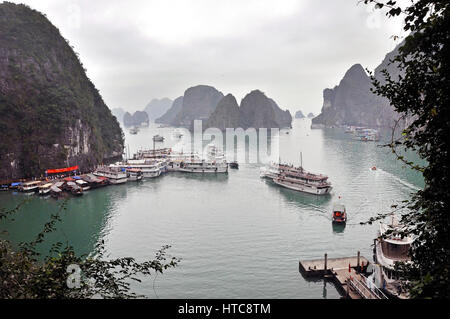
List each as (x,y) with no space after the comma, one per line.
(257,110)
(139,118)
(352,102)
(299,115)
(226,114)
(311,115)
(157,108)
(199,102)
(51,115)
(169,117)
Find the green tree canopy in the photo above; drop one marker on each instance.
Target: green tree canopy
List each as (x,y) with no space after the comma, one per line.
(422,95)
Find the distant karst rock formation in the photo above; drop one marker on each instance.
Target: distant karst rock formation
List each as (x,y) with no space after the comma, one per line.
(139,118)
(156,108)
(198,104)
(299,115)
(169,117)
(226,114)
(51,115)
(352,102)
(207,104)
(118,113)
(257,110)
(310,115)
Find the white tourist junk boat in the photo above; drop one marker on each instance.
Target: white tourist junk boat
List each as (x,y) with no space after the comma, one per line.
(134,175)
(202,166)
(30,187)
(152,154)
(297,179)
(305,182)
(148,168)
(270,172)
(45,188)
(213,153)
(390,248)
(114,175)
(192,163)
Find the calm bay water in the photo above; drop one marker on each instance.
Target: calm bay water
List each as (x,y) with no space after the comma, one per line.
(238,236)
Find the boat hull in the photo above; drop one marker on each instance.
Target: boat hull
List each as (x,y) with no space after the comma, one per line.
(43,192)
(309,189)
(118,181)
(215,170)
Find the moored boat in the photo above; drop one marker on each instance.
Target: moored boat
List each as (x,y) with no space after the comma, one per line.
(234,165)
(56,189)
(391,247)
(115,175)
(134,174)
(44,188)
(83,184)
(73,188)
(149,168)
(30,187)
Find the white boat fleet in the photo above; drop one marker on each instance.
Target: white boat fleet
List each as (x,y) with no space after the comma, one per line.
(153,163)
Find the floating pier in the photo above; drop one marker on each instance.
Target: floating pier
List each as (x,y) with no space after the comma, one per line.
(346,273)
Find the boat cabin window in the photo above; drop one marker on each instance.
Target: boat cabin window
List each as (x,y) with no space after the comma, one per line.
(393,251)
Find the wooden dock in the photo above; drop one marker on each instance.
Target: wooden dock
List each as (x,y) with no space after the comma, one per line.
(344,272)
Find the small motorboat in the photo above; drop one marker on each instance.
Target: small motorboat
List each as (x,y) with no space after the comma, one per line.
(134,130)
(374,168)
(74,189)
(158,138)
(339,214)
(234,165)
(55,190)
(45,188)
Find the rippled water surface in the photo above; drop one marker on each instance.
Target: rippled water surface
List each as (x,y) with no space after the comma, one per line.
(238,236)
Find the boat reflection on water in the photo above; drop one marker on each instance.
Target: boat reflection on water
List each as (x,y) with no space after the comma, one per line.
(207,177)
(338,228)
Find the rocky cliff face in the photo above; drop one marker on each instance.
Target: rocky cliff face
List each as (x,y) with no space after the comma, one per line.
(51,115)
(226,114)
(257,110)
(169,117)
(352,102)
(139,118)
(198,104)
(156,108)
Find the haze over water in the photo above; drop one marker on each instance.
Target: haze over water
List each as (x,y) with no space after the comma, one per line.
(238,236)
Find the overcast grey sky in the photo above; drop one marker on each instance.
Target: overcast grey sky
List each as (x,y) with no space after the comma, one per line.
(138,50)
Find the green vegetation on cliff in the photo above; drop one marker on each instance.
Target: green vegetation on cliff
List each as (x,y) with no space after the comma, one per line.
(51,114)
